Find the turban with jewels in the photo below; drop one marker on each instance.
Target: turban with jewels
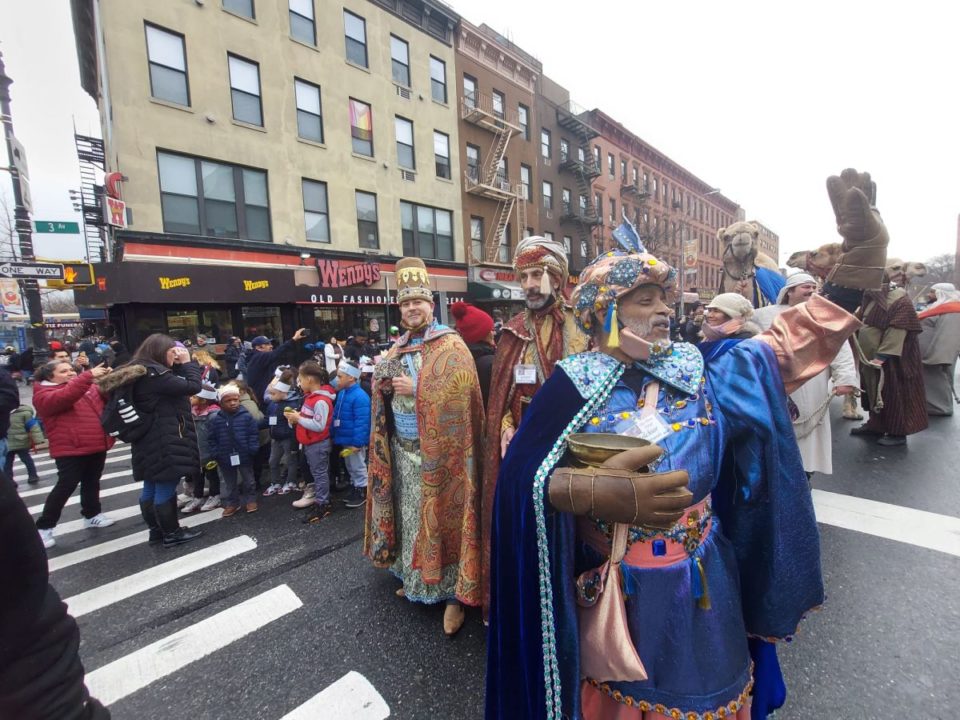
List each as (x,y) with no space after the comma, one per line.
(536,251)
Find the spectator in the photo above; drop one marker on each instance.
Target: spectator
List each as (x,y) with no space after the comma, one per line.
(24,432)
(231,356)
(233,444)
(283,395)
(355,347)
(204,408)
(728,317)
(690,332)
(351,430)
(263,452)
(9,401)
(69,406)
(121,355)
(476,329)
(332,355)
(163,378)
(313,423)
(25,363)
(209,367)
(264,360)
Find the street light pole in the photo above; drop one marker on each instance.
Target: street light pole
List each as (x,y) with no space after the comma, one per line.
(29,286)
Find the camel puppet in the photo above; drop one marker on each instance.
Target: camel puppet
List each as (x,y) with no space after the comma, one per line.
(746,270)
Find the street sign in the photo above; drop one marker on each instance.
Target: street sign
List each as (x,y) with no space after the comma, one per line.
(31,270)
(75,274)
(57,226)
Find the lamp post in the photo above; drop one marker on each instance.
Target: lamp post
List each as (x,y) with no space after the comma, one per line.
(31,291)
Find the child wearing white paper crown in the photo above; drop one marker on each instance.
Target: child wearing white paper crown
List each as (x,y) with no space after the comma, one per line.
(283,394)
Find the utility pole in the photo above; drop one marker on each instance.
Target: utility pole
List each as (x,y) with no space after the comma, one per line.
(28,286)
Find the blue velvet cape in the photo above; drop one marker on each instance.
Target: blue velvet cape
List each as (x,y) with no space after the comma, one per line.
(761,499)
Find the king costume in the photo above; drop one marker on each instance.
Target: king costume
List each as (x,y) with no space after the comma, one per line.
(423,509)
(706,599)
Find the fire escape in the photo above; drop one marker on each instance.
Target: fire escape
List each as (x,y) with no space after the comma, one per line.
(488,180)
(91,156)
(580,211)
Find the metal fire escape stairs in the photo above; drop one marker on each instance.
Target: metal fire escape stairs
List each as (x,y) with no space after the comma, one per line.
(90,153)
(584,168)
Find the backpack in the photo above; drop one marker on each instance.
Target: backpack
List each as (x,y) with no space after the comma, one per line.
(120,418)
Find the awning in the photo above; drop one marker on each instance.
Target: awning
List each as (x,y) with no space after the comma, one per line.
(494,291)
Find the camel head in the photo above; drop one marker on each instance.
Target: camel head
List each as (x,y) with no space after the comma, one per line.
(817,262)
(740,239)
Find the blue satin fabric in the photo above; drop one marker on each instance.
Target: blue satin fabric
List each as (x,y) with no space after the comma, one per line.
(712,349)
(770,283)
(764,540)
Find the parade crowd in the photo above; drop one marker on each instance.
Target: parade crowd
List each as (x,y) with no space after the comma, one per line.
(618,481)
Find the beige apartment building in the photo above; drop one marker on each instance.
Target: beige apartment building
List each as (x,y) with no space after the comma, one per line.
(769,241)
(277,158)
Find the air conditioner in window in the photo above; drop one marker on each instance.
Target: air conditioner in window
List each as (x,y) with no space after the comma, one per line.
(403,92)
(408,175)
(547,162)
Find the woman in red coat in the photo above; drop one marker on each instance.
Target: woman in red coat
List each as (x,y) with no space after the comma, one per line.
(69,406)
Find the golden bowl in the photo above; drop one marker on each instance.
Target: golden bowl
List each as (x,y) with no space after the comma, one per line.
(596,448)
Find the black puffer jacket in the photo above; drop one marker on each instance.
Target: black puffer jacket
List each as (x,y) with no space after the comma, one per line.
(169,451)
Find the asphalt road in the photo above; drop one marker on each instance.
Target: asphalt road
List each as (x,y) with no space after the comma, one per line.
(292,609)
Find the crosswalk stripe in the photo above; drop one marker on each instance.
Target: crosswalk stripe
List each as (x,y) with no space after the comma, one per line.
(146,665)
(894,522)
(45,459)
(75,525)
(352,697)
(48,488)
(104,595)
(59,562)
(50,472)
(75,500)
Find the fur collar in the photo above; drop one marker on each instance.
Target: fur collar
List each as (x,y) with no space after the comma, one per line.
(122,376)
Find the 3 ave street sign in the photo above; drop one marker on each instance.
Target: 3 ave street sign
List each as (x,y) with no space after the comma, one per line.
(57,226)
(31,270)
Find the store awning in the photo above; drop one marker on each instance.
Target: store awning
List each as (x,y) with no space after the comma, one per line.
(494,291)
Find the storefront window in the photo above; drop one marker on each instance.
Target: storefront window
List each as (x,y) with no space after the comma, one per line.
(182,324)
(262,321)
(217,325)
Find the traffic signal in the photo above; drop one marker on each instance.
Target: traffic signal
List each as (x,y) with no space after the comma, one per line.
(78,274)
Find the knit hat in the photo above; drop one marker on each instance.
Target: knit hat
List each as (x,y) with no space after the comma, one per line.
(413,282)
(798,278)
(348,368)
(473,324)
(733,305)
(208,393)
(228,389)
(260,340)
(56,345)
(536,251)
(611,275)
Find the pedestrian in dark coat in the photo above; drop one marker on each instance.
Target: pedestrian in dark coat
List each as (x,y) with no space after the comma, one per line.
(231,356)
(264,360)
(164,378)
(234,442)
(476,329)
(9,401)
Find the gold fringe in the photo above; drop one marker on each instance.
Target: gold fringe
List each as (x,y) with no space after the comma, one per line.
(613,340)
(704,602)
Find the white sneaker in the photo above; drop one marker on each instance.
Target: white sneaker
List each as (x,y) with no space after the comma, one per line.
(98,521)
(287,488)
(192,506)
(212,502)
(47,537)
(183,499)
(272,490)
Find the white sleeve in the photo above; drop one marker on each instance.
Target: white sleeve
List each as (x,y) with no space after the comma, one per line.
(843,370)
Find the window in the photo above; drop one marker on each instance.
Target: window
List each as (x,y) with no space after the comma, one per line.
(567,243)
(547,195)
(316,215)
(498,104)
(613,212)
(476,237)
(367,220)
(545,149)
(245,90)
(473,163)
(203,197)
(503,173)
(583,248)
(564,149)
(623,171)
(309,115)
(240,7)
(438,79)
(404,132)
(302,26)
(441,153)
(565,200)
(469,91)
(646,183)
(636,176)
(583,205)
(503,248)
(400,60)
(355,37)
(167,58)
(523,115)
(525,182)
(598,205)
(611,165)
(427,232)
(596,157)
(361,127)
(547,235)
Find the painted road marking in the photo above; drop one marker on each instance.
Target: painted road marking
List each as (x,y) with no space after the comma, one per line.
(146,665)
(52,472)
(45,459)
(894,522)
(75,525)
(104,595)
(111,546)
(48,488)
(352,697)
(75,500)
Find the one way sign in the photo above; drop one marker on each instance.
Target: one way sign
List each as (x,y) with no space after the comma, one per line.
(31,270)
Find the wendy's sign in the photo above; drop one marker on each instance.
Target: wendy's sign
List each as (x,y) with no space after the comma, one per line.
(334,274)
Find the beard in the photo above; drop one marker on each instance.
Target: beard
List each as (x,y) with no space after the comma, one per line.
(641,328)
(426,319)
(538,302)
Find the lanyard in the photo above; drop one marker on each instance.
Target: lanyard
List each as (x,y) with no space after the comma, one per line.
(412,368)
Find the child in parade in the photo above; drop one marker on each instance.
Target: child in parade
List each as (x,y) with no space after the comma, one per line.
(313,424)
(284,395)
(233,443)
(351,430)
(204,407)
(25,432)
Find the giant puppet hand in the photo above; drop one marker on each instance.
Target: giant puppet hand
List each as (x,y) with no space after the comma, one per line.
(622,491)
(864,248)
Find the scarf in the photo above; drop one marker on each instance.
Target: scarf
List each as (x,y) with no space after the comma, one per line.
(717,332)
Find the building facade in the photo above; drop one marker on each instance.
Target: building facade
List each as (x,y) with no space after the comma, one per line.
(300,137)
(769,241)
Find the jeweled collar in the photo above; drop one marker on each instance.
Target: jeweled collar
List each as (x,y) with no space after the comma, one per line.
(681,367)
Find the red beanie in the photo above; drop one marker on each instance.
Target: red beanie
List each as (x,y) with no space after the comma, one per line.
(473,324)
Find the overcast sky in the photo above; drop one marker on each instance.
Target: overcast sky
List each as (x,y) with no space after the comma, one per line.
(763,100)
